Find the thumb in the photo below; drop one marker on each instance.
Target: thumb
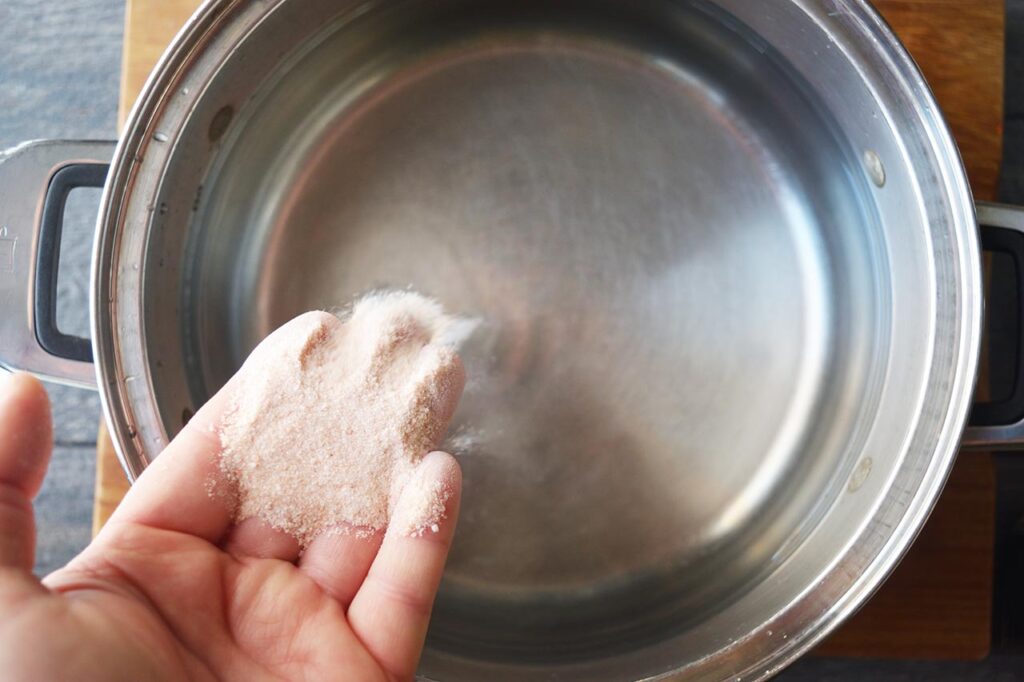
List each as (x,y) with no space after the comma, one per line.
(26,438)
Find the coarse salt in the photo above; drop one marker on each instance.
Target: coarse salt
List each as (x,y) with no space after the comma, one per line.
(328,421)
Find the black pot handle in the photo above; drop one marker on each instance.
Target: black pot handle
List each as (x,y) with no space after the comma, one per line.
(51,227)
(1000,425)
(35,180)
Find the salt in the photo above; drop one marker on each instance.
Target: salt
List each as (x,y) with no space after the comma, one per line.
(328,421)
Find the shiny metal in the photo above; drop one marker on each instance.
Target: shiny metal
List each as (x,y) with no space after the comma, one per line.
(723,365)
(25,173)
(1009,436)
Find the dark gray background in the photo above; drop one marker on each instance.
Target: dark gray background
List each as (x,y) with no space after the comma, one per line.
(59,77)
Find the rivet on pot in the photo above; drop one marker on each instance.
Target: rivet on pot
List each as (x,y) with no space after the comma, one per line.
(876,171)
(860,474)
(221,121)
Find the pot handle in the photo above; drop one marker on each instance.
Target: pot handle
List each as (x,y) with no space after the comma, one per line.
(35,180)
(1000,425)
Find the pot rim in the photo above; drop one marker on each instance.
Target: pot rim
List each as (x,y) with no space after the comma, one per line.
(125,387)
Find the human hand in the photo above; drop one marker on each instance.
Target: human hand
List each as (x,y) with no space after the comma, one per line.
(173,589)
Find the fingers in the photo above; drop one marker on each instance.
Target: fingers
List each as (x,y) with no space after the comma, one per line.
(257,539)
(338,562)
(26,439)
(391,610)
(184,489)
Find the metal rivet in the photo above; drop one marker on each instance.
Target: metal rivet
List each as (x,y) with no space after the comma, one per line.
(7,246)
(221,121)
(860,474)
(875,169)
(160,137)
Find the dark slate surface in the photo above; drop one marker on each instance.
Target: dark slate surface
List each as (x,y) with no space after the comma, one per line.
(1011,187)
(59,77)
(1008,616)
(994,669)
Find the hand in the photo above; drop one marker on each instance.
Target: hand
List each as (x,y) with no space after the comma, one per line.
(172,589)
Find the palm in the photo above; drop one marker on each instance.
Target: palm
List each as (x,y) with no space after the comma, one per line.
(171,589)
(203,612)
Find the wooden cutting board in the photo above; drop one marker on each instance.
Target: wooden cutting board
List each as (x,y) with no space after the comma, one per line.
(938,602)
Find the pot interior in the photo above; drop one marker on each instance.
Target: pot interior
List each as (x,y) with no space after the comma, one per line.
(679,266)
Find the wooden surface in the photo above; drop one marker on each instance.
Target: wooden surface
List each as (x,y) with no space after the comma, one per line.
(937,604)
(149,27)
(959,46)
(111,482)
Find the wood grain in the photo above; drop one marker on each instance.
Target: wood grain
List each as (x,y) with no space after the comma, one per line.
(111,483)
(937,604)
(149,27)
(959,46)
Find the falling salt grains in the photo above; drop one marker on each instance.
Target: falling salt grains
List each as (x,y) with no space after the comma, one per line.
(463,441)
(329,422)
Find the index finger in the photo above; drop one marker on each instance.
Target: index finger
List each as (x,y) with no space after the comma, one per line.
(391,611)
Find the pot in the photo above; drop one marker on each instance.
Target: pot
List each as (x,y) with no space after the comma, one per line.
(724,254)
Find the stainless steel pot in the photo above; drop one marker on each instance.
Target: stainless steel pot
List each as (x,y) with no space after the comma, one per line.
(725,255)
